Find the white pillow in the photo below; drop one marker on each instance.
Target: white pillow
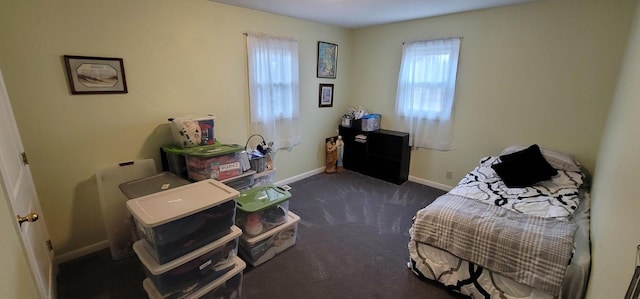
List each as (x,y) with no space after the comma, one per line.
(558,160)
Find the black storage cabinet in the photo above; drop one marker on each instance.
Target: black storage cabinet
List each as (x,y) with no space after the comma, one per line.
(385,154)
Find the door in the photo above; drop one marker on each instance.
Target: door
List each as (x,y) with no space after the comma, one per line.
(15,176)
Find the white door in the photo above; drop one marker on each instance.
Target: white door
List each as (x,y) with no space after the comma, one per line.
(15,176)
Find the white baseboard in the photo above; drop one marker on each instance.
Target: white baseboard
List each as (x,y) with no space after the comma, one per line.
(300,177)
(63,258)
(430,183)
(105,244)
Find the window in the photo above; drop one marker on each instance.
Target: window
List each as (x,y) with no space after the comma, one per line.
(426,89)
(274,89)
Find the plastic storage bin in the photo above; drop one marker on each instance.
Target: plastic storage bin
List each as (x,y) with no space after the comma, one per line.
(262,208)
(264,178)
(190,131)
(371,122)
(218,162)
(175,160)
(228,286)
(191,271)
(259,249)
(180,220)
(153,184)
(242,182)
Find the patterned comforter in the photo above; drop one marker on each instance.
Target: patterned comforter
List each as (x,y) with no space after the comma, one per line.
(531,250)
(555,198)
(525,235)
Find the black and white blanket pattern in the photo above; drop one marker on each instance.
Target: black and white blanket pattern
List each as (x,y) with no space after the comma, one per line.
(554,198)
(531,250)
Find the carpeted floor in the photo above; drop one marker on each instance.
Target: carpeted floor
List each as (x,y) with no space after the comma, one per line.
(351,243)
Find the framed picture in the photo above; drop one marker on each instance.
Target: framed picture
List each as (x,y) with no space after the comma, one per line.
(326,95)
(327,60)
(92,75)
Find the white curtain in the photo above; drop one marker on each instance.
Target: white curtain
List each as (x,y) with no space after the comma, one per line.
(274,89)
(426,90)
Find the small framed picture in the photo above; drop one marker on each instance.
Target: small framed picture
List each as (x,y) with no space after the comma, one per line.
(327,60)
(93,75)
(325,95)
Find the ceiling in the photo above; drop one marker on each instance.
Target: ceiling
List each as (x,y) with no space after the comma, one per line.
(355,14)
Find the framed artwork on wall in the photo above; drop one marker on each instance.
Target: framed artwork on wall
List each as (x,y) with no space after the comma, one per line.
(95,75)
(325,98)
(327,60)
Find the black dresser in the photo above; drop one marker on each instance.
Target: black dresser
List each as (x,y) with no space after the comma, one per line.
(382,154)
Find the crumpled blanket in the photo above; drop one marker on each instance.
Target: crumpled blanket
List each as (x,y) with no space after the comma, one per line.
(531,250)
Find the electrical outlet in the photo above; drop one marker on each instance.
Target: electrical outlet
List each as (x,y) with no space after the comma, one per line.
(449,174)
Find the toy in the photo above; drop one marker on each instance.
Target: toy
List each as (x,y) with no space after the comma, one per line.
(253,224)
(190,133)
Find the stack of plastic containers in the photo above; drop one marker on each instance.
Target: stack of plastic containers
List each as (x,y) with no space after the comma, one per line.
(267,224)
(218,161)
(188,240)
(152,184)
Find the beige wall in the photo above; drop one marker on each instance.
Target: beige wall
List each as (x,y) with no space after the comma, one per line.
(615,222)
(15,279)
(180,57)
(542,72)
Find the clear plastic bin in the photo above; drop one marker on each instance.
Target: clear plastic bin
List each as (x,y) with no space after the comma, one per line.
(228,286)
(175,160)
(259,249)
(182,276)
(218,162)
(153,184)
(242,182)
(371,122)
(177,221)
(261,209)
(265,178)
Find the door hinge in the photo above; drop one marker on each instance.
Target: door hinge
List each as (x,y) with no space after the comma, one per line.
(49,245)
(24,158)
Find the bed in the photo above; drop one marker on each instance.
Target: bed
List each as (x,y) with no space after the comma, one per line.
(516,226)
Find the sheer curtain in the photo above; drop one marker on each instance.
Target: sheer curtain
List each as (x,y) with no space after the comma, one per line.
(274,89)
(426,90)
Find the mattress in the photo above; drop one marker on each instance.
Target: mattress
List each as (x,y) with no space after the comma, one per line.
(477,282)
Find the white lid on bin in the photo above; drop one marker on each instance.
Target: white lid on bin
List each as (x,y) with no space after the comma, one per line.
(166,206)
(291,218)
(157,269)
(153,293)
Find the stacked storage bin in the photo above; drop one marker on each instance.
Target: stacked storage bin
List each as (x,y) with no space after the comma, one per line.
(152,184)
(267,224)
(188,242)
(264,178)
(195,152)
(218,161)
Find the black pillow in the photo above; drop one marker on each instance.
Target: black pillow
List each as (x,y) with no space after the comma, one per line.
(524,168)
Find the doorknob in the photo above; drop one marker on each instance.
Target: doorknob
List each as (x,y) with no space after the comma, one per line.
(33,217)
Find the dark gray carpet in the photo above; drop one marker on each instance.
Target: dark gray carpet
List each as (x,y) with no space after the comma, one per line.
(351,243)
